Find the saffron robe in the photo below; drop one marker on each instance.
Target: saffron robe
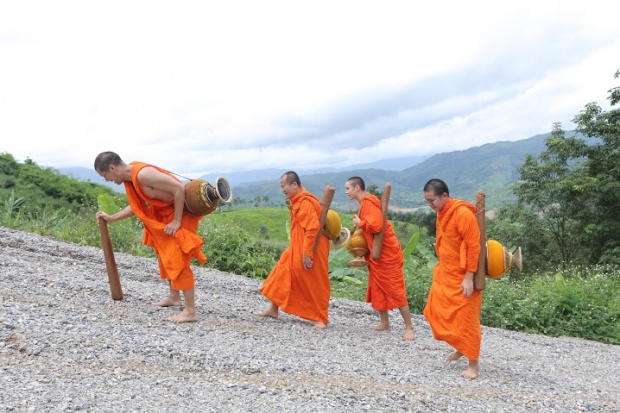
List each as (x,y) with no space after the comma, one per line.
(386,279)
(297,291)
(453,317)
(174,253)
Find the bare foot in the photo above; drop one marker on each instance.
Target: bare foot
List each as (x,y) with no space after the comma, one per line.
(169,302)
(267,313)
(454,356)
(408,335)
(380,327)
(320,326)
(183,317)
(471,372)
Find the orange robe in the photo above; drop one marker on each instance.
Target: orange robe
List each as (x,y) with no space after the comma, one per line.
(175,253)
(454,318)
(297,291)
(386,279)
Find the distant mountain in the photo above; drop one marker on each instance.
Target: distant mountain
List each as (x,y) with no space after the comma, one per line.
(252,176)
(492,167)
(234,178)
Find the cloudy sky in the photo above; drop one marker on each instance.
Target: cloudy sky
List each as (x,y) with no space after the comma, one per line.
(217,86)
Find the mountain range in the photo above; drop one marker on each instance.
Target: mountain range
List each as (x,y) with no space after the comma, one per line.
(492,167)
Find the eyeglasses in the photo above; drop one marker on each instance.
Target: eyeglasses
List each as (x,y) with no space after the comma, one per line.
(433,201)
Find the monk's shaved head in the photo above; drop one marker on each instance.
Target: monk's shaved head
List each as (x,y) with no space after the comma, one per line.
(105,159)
(357,181)
(291,177)
(437,186)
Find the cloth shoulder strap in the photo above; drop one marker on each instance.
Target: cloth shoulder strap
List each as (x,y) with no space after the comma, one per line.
(462,249)
(448,241)
(449,215)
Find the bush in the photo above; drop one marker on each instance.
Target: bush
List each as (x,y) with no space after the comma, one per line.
(580,302)
(419,263)
(231,249)
(346,282)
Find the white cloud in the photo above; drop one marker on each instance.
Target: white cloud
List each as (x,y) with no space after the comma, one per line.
(206,86)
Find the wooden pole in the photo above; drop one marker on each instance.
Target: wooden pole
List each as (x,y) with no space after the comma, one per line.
(326,201)
(481,275)
(377,242)
(110,262)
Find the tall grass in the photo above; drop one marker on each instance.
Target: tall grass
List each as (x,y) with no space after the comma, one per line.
(232,249)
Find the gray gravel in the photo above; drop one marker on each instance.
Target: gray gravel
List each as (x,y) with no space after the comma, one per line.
(66,346)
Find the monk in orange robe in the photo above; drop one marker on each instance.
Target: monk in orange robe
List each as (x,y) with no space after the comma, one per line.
(157,198)
(299,283)
(386,279)
(453,306)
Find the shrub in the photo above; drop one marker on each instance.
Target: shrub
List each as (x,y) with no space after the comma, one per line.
(231,249)
(346,282)
(575,303)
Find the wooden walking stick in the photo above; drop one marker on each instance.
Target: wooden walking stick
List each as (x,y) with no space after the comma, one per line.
(481,274)
(377,242)
(110,262)
(326,201)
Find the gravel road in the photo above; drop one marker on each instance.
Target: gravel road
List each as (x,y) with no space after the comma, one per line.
(66,346)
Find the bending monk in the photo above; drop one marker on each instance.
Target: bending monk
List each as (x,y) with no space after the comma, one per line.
(157,198)
(453,306)
(386,279)
(299,283)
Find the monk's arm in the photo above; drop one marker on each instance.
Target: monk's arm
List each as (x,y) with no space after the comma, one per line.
(179,203)
(176,190)
(122,214)
(470,232)
(309,220)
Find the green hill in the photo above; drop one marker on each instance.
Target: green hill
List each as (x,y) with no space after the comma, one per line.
(492,167)
(42,189)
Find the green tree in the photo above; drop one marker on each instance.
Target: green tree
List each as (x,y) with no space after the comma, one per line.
(515,226)
(238,202)
(374,189)
(552,202)
(8,164)
(603,169)
(568,208)
(547,221)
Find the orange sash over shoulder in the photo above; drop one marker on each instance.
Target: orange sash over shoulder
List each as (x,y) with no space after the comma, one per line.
(175,253)
(453,317)
(465,251)
(297,291)
(386,279)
